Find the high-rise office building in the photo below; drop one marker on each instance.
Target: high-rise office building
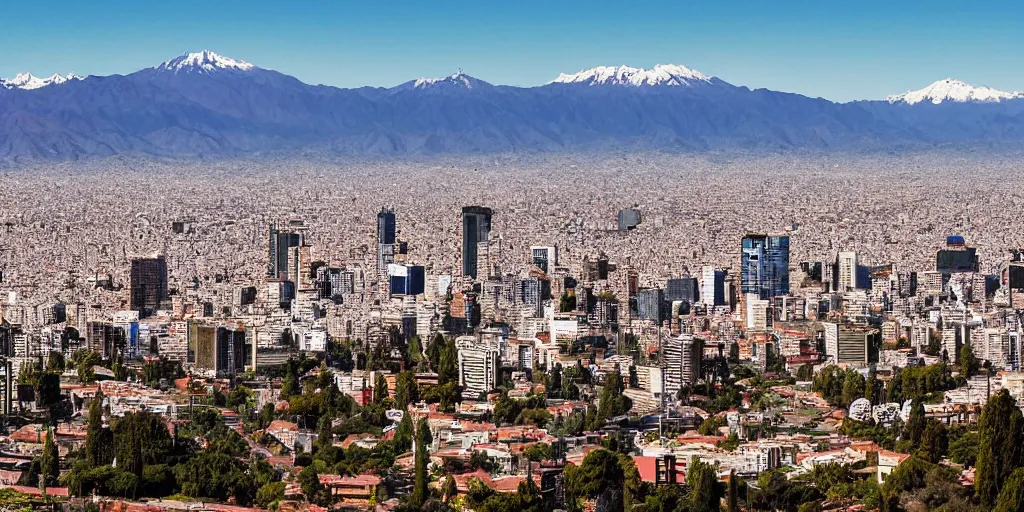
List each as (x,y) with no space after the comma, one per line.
(479,364)
(846,267)
(683,356)
(148,289)
(850,344)
(476,230)
(385,240)
(629,219)
(956,257)
(544,258)
(712,292)
(221,349)
(650,305)
(406,279)
(281,240)
(764,266)
(682,289)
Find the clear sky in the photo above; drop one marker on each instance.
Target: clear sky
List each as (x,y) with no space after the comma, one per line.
(840,50)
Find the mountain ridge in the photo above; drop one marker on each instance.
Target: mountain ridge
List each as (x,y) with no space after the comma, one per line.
(201,103)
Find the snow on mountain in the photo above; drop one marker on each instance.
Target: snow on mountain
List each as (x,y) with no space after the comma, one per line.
(455,81)
(203,62)
(955,91)
(662,74)
(28,81)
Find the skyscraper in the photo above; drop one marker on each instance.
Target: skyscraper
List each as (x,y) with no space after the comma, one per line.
(712,291)
(476,230)
(385,240)
(280,243)
(650,304)
(682,288)
(544,258)
(846,264)
(764,266)
(148,291)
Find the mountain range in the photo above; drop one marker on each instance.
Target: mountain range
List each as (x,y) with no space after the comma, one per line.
(204,104)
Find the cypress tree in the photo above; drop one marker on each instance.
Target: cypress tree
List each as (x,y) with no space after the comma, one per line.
(422,459)
(448,364)
(915,423)
(380,389)
(94,435)
(733,502)
(968,362)
(1001,434)
(406,390)
(50,463)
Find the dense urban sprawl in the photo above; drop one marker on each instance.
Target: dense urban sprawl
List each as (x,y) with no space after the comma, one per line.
(633,333)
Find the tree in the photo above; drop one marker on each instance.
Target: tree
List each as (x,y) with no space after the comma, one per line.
(448,364)
(47,388)
(434,351)
(380,389)
(853,387)
(872,388)
(269,494)
(894,389)
(999,450)
(290,385)
(118,368)
(404,433)
(968,362)
(934,442)
(422,458)
(50,460)
(613,402)
(805,372)
(915,426)
(309,481)
(964,450)
(1011,498)
(600,470)
(84,360)
(451,490)
(704,494)
(538,452)
(406,390)
(98,440)
(733,498)
(216,476)
(55,363)
(554,388)
(566,303)
(415,351)
(140,438)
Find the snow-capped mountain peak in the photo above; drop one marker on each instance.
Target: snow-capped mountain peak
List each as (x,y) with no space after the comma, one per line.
(661,74)
(28,81)
(953,91)
(455,81)
(203,62)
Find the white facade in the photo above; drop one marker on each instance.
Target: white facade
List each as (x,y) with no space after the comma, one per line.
(847,270)
(757,312)
(478,364)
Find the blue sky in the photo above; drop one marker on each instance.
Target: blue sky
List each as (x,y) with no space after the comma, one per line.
(837,50)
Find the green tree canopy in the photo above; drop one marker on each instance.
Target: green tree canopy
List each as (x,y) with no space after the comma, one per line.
(1001,433)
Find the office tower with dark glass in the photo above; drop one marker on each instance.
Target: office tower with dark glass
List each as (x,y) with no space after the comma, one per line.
(280,243)
(148,291)
(764,266)
(476,230)
(385,240)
